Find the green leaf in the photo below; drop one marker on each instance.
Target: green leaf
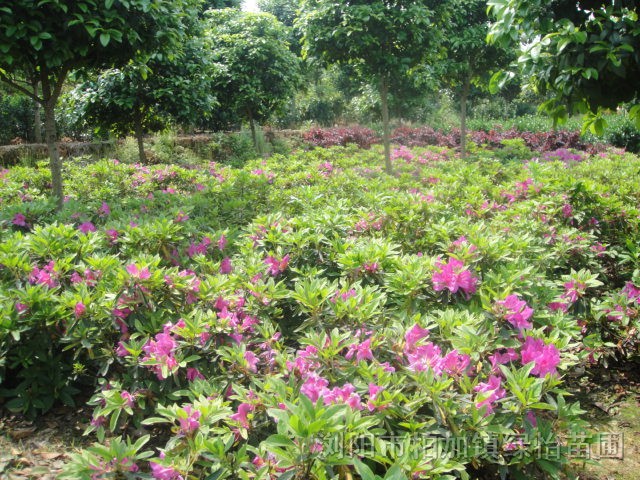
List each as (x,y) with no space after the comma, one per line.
(105,38)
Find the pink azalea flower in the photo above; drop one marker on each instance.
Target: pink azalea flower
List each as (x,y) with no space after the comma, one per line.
(191,423)
(347,395)
(374,390)
(632,292)
(79,309)
(222,242)
(573,290)
(241,415)
(453,276)
(276,267)
(567,210)
(455,363)
(21,308)
(194,374)
(502,357)
(314,387)
(516,311)
(492,391)
(137,273)
(362,351)
(87,227)
(546,357)
(113,235)
(225,266)
(104,210)
(414,335)
(19,220)
(129,399)
(425,357)
(252,361)
(162,472)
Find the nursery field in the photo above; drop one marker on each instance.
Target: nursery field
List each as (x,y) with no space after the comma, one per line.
(311,317)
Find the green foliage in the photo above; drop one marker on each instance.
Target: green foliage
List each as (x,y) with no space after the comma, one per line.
(585,56)
(258,332)
(16,118)
(257,72)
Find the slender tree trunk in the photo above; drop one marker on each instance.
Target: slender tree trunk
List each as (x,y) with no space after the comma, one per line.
(37,120)
(55,162)
(139,133)
(252,125)
(463,117)
(384,99)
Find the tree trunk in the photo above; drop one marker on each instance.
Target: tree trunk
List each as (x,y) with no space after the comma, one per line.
(463,117)
(139,133)
(37,120)
(252,125)
(55,163)
(384,94)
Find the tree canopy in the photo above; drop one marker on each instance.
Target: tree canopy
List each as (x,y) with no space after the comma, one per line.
(585,55)
(45,40)
(257,72)
(384,39)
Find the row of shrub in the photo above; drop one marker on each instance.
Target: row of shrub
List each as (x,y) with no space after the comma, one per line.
(256,333)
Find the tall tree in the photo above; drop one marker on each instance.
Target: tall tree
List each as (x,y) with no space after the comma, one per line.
(585,54)
(384,38)
(141,97)
(467,59)
(46,40)
(258,73)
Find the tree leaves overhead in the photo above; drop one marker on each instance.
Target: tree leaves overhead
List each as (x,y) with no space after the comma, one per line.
(256,71)
(586,55)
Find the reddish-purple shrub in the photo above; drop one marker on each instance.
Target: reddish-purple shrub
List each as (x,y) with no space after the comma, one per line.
(330,137)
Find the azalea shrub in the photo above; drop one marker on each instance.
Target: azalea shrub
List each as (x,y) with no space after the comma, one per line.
(312,317)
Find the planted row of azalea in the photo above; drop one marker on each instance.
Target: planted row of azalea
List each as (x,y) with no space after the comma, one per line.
(425,136)
(263,323)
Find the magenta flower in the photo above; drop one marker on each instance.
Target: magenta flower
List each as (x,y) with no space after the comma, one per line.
(19,220)
(414,335)
(79,309)
(546,357)
(558,307)
(567,210)
(631,291)
(374,390)
(362,351)
(455,363)
(314,387)
(129,398)
(104,210)
(425,357)
(191,423)
(87,227)
(161,352)
(347,395)
(113,235)
(194,374)
(137,273)
(222,242)
(516,311)
(573,291)
(276,267)
(45,276)
(21,308)
(162,472)
(490,391)
(252,361)
(241,416)
(502,357)
(225,266)
(453,276)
